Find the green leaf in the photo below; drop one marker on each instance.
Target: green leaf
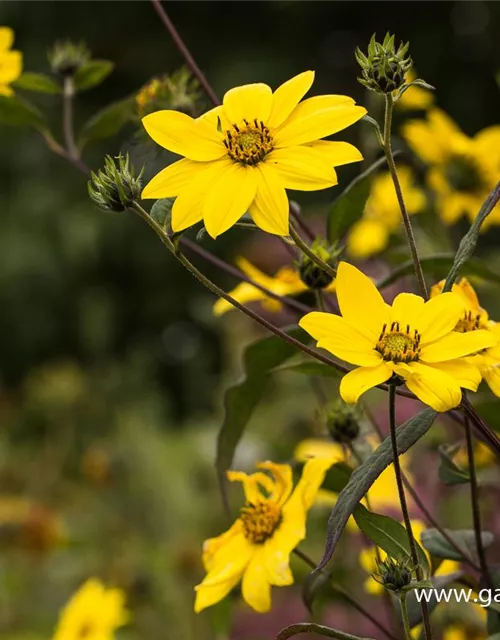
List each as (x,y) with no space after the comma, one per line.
(438,546)
(365,475)
(39,82)
(107,122)
(161,211)
(312,627)
(18,113)
(449,472)
(440,264)
(414,607)
(337,477)
(312,369)
(92,74)
(389,535)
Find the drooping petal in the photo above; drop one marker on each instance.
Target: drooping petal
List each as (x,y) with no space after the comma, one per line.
(334,334)
(357,381)
(228,198)
(11,66)
(433,387)
(457,345)
(282,480)
(173,179)
(270,209)
(466,374)
(287,96)
(6,38)
(302,168)
(360,302)
(317,118)
(252,484)
(255,586)
(337,153)
(248,102)
(439,316)
(181,134)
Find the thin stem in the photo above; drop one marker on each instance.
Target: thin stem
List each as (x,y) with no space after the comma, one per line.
(404,615)
(320,302)
(476,512)
(319,629)
(181,45)
(310,254)
(69,134)
(387,147)
(404,505)
(295,213)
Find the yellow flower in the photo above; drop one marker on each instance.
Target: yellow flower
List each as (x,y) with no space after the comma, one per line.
(368,560)
(474,319)
(11,62)
(462,170)
(257,547)
(242,155)
(93,613)
(461,632)
(286,282)
(382,215)
(412,339)
(415,98)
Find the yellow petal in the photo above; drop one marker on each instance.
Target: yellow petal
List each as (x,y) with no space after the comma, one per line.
(270,209)
(6,38)
(255,586)
(337,153)
(282,480)
(317,118)
(457,345)
(433,387)
(334,334)
(357,381)
(252,484)
(421,139)
(439,316)
(173,179)
(5,90)
(467,375)
(228,198)
(360,302)
(248,102)
(406,307)
(366,238)
(312,477)
(302,168)
(181,134)
(243,293)
(492,378)
(11,66)
(287,96)
(277,563)
(216,118)
(314,448)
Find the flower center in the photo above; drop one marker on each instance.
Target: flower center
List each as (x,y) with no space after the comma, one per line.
(463,174)
(470,322)
(397,345)
(248,145)
(260,520)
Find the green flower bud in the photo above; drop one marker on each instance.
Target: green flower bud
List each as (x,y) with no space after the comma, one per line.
(310,273)
(384,68)
(115,188)
(342,421)
(178,91)
(66,57)
(393,574)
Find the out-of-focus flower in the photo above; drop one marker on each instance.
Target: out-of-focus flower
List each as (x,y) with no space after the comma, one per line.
(474,319)
(257,548)
(462,170)
(94,613)
(66,57)
(462,632)
(411,339)
(179,91)
(285,282)
(30,525)
(415,98)
(242,155)
(11,61)
(382,214)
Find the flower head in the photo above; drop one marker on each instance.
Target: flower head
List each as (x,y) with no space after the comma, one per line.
(242,155)
(257,548)
(94,613)
(462,170)
(11,61)
(115,187)
(412,339)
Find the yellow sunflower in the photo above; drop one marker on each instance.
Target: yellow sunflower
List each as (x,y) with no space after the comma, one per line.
(11,62)
(411,339)
(257,548)
(382,215)
(94,613)
(242,155)
(475,318)
(462,170)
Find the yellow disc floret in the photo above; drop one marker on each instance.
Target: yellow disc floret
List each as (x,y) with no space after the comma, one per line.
(248,145)
(398,345)
(260,520)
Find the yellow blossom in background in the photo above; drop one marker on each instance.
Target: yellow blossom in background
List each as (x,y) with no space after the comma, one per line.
(242,155)
(412,338)
(257,548)
(94,613)
(382,215)
(475,318)
(368,561)
(415,98)
(11,61)
(462,170)
(286,282)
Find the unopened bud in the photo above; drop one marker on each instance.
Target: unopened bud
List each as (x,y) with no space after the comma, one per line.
(67,57)
(342,421)
(383,68)
(393,574)
(312,274)
(115,188)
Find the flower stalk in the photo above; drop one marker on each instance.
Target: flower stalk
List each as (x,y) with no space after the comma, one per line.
(69,135)
(404,616)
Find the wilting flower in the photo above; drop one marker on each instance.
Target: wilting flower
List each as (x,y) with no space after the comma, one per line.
(242,155)
(94,613)
(415,98)
(412,339)
(382,214)
(475,318)
(11,62)
(462,170)
(286,282)
(257,548)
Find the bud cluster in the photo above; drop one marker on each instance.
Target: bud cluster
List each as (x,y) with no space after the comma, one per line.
(383,68)
(66,57)
(115,187)
(312,274)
